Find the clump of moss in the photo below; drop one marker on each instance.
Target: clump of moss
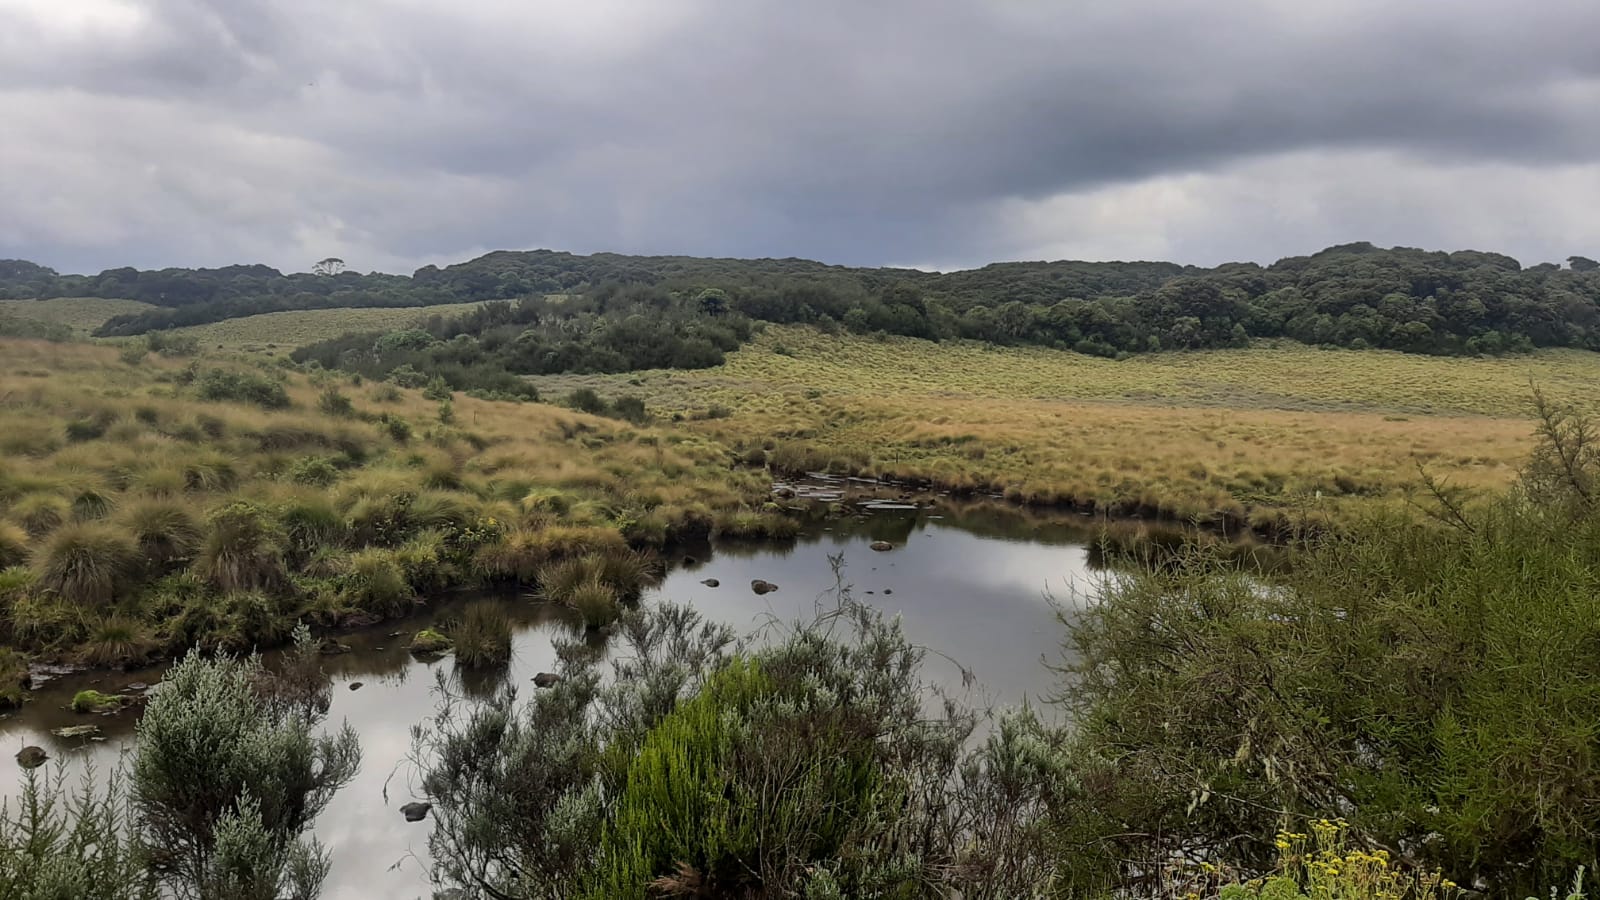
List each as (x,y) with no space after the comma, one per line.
(93,701)
(429,641)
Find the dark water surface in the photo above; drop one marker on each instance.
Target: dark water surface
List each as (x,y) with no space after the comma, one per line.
(980,584)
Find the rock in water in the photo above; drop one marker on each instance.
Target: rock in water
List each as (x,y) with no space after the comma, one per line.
(881,546)
(415,812)
(762,587)
(546,679)
(31,757)
(711,582)
(355,685)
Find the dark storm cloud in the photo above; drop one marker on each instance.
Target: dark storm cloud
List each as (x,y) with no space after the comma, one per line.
(392,131)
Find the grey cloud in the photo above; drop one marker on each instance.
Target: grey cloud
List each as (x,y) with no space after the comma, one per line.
(878,132)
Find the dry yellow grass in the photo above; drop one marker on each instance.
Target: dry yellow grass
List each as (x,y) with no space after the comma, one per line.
(81,314)
(1189,433)
(295,328)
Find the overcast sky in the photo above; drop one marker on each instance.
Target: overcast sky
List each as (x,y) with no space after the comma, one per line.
(932,133)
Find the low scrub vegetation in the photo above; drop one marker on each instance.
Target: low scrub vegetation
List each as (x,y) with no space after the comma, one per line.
(173,522)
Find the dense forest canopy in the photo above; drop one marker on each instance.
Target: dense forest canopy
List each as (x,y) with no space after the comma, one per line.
(1354,295)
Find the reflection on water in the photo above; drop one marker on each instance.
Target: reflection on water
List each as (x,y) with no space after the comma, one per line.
(973,584)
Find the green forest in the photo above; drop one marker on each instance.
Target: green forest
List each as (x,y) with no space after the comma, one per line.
(1354,295)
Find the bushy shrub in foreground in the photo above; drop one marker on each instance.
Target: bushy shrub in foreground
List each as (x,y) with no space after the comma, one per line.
(817,765)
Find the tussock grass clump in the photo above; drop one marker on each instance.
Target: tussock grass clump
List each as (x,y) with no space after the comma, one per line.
(87,562)
(483,637)
(310,521)
(117,640)
(165,531)
(625,573)
(595,601)
(13,545)
(243,549)
(13,678)
(41,513)
(374,580)
(748,525)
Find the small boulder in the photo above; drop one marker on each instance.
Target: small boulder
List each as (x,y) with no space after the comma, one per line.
(138,687)
(358,620)
(711,582)
(546,679)
(415,812)
(881,546)
(331,647)
(784,493)
(92,701)
(356,685)
(31,757)
(887,591)
(761,586)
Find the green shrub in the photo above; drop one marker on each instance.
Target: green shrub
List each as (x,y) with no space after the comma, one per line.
(437,389)
(407,377)
(586,400)
(483,637)
(87,562)
(317,471)
(243,550)
(57,843)
(243,387)
(398,429)
(226,751)
(334,403)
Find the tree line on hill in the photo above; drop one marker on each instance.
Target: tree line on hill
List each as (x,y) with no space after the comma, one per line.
(1354,295)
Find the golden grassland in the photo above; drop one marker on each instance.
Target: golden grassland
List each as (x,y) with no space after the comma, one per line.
(295,328)
(81,314)
(136,518)
(1244,434)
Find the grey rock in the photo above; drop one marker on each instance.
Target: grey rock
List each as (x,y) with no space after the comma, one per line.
(415,812)
(31,757)
(761,586)
(711,582)
(881,546)
(546,679)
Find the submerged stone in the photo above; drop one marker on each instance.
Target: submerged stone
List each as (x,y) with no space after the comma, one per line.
(761,586)
(711,582)
(415,812)
(882,546)
(31,757)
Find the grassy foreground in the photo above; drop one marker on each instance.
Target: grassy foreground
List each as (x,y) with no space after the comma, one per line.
(1232,435)
(139,517)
